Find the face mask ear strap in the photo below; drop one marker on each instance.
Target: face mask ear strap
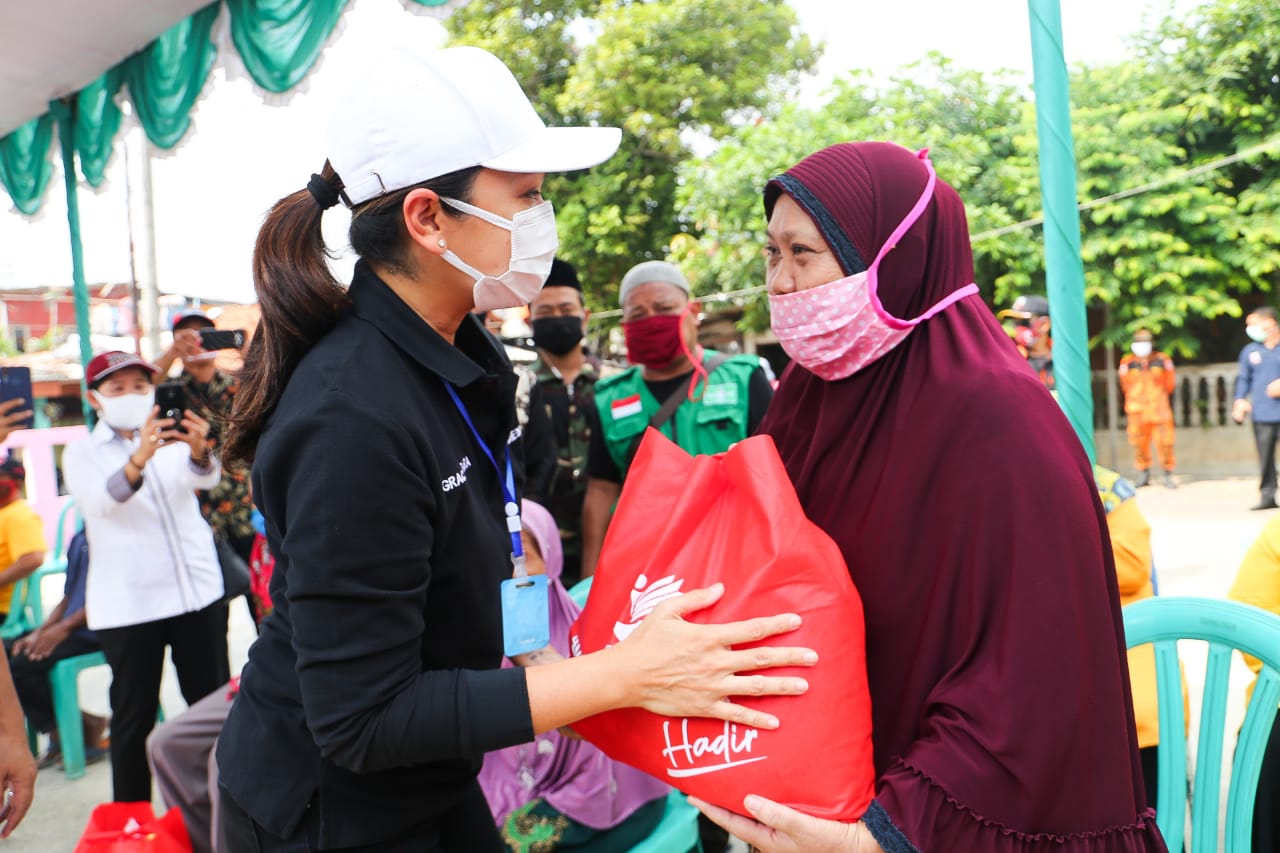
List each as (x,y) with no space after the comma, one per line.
(698,369)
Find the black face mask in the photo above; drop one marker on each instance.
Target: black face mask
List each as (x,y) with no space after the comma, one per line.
(557,335)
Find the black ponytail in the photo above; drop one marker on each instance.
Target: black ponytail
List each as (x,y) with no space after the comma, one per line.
(299,298)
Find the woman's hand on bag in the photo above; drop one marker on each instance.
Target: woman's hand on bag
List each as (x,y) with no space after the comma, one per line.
(779,829)
(682,669)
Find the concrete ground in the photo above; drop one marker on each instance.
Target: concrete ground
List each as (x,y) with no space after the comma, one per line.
(1200,532)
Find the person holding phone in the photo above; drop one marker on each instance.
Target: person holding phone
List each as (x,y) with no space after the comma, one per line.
(378,419)
(154,580)
(228,506)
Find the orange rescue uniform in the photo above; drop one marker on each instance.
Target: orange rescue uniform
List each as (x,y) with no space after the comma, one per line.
(1147,384)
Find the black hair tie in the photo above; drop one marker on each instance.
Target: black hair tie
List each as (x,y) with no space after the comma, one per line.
(323,192)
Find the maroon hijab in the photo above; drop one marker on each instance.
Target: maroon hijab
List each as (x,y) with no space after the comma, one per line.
(966,510)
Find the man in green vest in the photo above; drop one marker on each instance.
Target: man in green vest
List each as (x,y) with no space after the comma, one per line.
(703,400)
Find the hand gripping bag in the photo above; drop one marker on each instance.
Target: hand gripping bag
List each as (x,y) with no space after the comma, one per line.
(683,523)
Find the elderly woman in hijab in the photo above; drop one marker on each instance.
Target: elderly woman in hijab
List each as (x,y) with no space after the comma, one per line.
(557,793)
(995,655)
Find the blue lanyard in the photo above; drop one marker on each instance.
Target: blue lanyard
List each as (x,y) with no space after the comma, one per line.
(512,507)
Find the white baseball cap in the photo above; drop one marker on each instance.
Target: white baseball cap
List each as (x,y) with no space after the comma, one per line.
(415,115)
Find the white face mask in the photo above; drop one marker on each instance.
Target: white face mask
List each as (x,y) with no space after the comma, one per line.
(128,412)
(533,247)
(1141,349)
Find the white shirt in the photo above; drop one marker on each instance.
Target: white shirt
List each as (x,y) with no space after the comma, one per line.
(151,552)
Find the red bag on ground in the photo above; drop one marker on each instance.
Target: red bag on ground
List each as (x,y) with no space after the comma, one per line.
(133,828)
(684,523)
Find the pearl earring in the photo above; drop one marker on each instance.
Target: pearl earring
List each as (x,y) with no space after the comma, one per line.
(440,242)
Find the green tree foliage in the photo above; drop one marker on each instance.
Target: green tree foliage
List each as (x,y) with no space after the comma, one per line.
(671,73)
(1170,258)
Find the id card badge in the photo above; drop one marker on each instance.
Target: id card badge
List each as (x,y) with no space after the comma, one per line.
(526,621)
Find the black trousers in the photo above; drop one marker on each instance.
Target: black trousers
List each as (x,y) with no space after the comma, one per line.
(1265,435)
(1266,806)
(31,678)
(198,644)
(468,828)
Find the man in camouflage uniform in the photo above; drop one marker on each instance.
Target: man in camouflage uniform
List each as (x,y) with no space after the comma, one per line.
(566,376)
(228,506)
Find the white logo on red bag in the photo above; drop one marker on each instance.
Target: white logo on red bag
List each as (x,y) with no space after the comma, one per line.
(644,598)
(725,747)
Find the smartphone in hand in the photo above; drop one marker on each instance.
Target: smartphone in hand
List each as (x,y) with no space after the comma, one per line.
(171,397)
(212,339)
(15,383)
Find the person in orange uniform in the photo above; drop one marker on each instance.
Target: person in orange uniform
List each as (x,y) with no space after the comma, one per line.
(1147,380)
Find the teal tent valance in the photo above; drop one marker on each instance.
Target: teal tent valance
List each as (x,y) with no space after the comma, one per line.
(278,41)
(166,77)
(24,163)
(96,121)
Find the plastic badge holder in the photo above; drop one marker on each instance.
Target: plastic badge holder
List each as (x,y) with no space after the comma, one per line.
(526,619)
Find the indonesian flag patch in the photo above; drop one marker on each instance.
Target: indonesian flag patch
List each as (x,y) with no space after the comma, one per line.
(626,407)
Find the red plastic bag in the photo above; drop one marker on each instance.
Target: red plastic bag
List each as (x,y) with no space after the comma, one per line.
(684,523)
(133,828)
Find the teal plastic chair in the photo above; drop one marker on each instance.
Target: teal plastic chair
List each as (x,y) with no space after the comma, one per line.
(580,591)
(1226,626)
(678,831)
(66,708)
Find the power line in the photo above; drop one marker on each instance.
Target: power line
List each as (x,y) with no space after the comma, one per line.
(1204,168)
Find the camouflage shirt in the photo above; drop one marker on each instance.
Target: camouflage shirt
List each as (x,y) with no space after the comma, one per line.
(567,407)
(227,506)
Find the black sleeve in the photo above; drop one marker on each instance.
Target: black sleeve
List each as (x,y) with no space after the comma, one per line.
(600,464)
(538,447)
(759,393)
(357,584)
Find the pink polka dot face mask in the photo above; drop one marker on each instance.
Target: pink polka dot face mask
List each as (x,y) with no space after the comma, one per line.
(836,329)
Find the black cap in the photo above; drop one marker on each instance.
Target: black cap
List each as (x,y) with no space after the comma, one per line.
(1026,307)
(563,275)
(189,315)
(12,469)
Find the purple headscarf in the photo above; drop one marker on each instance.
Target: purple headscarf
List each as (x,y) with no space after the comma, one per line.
(572,776)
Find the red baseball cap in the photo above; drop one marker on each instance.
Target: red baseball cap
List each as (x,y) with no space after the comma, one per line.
(104,364)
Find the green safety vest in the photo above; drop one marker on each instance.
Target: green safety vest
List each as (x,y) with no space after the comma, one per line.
(702,426)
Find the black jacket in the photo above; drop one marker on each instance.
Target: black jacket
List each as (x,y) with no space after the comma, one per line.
(374,689)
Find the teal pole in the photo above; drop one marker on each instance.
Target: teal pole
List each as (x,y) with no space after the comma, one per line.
(1064,269)
(63,114)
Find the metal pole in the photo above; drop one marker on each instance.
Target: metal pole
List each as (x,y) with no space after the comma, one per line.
(142,238)
(1063,267)
(64,113)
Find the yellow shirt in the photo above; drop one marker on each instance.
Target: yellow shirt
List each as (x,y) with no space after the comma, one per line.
(1258,580)
(21,533)
(1131,544)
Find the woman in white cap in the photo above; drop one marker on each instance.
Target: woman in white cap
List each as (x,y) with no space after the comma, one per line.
(378,417)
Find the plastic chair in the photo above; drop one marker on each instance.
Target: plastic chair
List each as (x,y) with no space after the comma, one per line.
(678,831)
(580,591)
(66,708)
(1227,626)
